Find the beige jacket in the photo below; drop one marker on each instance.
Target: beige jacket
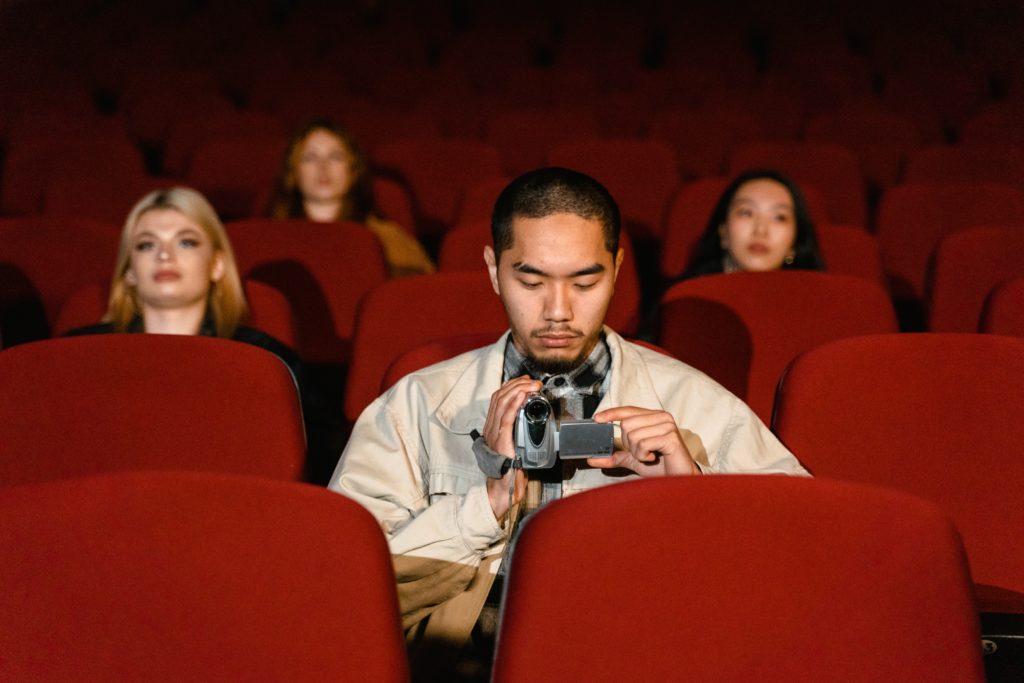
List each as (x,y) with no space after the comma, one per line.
(409,459)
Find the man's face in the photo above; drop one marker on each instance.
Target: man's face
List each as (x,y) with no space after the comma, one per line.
(555,282)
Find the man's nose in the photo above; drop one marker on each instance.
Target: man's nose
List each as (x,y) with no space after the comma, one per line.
(558,303)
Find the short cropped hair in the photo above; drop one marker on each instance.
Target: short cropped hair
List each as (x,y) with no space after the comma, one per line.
(226,305)
(549,191)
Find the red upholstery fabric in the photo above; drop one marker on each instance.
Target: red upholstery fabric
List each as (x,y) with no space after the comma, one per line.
(32,165)
(322,268)
(80,405)
(937,415)
(966,265)
(851,250)
(738,578)
(96,198)
(235,174)
(432,352)
(879,137)
(642,175)
(187,134)
(1003,312)
(188,576)
(269,310)
(742,329)
(401,314)
(833,169)
(44,260)
(438,171)
(392,201)
(703,140)
(690,210)
(993,163)
(913,217)
(525,136)
(462,249)
(479,198)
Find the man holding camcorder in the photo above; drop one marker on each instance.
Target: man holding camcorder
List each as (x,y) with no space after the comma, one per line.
(452,456)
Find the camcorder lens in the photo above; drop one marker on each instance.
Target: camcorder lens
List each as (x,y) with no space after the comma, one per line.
(537,410)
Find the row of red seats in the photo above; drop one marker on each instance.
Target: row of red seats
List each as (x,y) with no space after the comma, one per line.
(237,170)
(185,575)
(909,412)
(321,289)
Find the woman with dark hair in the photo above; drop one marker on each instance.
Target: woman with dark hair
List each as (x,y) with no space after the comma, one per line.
(759,223)
(325,177)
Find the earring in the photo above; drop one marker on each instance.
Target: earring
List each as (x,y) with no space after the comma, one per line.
(790,257)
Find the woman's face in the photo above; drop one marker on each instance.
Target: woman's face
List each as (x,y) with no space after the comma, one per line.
(324,167)
(172,261)
(760,229)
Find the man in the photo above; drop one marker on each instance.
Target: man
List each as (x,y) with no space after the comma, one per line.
(427,457)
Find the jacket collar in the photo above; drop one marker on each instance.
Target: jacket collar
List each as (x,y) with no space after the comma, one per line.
(464,407)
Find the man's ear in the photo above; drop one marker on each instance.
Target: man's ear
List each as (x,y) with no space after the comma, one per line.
(621,254)
(492,267)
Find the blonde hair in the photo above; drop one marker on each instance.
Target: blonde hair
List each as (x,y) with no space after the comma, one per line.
(226,301)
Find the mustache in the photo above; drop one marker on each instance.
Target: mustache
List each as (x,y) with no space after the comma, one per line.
(556,330)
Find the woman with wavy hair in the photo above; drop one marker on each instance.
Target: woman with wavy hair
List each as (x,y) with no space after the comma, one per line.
(324,177)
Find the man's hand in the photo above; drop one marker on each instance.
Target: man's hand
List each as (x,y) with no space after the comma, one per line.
(651,443)
(501,417)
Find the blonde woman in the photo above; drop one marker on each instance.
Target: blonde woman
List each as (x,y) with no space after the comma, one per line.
(175,274)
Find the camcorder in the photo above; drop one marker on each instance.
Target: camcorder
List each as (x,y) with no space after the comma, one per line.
(541,438)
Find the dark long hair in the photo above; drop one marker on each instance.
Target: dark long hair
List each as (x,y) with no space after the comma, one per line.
(709,255)
(286,201)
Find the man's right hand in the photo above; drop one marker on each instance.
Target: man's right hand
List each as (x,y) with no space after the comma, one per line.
(498,428)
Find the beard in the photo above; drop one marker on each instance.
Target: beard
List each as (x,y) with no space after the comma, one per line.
(557,365)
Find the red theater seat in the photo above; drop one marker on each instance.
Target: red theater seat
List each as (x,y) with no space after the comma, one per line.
(398,315)
(322,268)
(964,268)
(937,415)
(914,217)
(186,576)
(96,403)
(742,329)
(724,579)
(1004,309)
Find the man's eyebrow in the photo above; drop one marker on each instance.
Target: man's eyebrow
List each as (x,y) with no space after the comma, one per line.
(527,269)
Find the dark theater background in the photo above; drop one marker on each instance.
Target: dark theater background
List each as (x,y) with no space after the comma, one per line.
(902,123)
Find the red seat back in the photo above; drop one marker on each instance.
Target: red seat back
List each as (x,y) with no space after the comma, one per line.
(399,315)
(96,403)
(1003,312)
(742,329)
(322,268)
(965,266)
(187,576)
(712,604)
(937,415)
(914,217)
